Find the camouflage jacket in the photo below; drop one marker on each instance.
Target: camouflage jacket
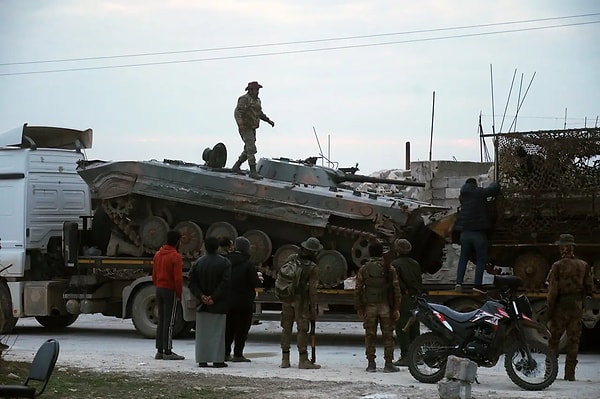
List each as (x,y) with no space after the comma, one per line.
(391,289)
(570,279)
(248,113)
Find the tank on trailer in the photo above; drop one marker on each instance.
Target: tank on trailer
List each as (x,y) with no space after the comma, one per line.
(137,202)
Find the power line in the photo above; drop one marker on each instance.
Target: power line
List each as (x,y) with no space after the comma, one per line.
(322,49)
(299,41)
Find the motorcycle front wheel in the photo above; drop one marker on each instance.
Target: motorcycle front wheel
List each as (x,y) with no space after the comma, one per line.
(427,356)
(531,376)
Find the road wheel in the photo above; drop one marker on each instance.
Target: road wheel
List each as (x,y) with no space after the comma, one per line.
(57,322)
(7,321)
(144,314)
(464,304)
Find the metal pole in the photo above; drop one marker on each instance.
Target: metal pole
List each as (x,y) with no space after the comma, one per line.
(431,136)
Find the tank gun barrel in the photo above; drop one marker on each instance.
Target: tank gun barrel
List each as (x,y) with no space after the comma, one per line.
(371,179)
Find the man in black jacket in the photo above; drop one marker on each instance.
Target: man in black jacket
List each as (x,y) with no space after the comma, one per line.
(209,283)
(244,281)
(473,223)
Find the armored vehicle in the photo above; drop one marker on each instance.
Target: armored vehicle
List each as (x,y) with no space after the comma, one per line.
(136,203)
(550,185)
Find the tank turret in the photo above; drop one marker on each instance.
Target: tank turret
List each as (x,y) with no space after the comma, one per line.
(308,172)
(137,202)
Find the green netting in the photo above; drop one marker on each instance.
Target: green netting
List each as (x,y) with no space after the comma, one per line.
(550,182)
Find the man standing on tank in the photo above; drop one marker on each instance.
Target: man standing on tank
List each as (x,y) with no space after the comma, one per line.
(248,114)
(411,283)
(377,301)
(303,308)
(473,223)
(569,282)
(168,279)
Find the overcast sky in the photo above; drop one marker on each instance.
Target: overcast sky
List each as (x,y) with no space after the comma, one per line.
(360,73)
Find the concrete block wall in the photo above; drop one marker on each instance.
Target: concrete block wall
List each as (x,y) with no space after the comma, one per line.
(444,179)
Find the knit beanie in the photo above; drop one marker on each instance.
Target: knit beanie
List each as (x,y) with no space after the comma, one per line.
(243,245)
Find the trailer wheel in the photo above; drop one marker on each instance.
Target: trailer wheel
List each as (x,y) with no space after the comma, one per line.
(56,322)
(144,314)
(7,321)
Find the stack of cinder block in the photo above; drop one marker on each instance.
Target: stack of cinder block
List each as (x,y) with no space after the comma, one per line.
(460,374)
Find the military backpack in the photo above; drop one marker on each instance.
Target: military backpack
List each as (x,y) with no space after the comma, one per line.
(289,280)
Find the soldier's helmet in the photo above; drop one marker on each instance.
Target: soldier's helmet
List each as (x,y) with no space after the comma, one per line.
(566,239)
(312,244)
(402,246)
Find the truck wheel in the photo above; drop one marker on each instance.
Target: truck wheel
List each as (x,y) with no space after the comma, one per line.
(7,321)
(144,314)
(57,322)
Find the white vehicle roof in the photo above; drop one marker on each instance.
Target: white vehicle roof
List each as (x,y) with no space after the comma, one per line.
(47,137)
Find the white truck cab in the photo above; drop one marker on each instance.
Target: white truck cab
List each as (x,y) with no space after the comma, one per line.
(39,191)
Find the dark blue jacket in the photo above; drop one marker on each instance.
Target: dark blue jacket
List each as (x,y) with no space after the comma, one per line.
(243,280)
(473,214)
(211,275)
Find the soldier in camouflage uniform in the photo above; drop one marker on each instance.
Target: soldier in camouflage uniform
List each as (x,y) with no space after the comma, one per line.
(248,114)
(569,282)
(303,308)
(411,283)
(377,301)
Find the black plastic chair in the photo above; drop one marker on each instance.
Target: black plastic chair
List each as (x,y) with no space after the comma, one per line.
(41,370)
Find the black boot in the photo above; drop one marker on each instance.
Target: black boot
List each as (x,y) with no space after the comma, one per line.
(253,173)
(236,167)
(371,367)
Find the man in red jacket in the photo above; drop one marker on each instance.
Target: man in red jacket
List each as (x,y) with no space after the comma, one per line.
(167,277)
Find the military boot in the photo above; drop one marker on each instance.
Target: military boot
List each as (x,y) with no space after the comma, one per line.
(390,368)
(236,167)
(304,363)
(570,369)
(285,359)
(253,173)
(371,367)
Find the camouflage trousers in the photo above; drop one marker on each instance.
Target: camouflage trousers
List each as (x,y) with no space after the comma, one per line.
(567,317)
(297,311)
(249,139)
(379,314)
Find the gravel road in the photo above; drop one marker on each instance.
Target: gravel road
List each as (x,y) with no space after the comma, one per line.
(111,345)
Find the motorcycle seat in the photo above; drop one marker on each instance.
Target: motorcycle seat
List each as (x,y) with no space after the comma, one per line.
(453,314)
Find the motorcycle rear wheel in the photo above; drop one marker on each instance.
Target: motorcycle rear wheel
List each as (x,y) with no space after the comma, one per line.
(427,357)
(535,378)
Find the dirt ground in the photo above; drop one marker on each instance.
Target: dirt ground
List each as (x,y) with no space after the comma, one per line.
(97,349)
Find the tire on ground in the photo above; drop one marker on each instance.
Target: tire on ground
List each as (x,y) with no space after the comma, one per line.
(57,322)
(144,314)
(7,321)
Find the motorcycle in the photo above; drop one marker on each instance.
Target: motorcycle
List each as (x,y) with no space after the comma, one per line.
(499,327)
